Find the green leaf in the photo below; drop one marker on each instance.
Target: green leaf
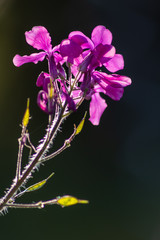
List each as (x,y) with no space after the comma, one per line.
(80,126)
(38,185)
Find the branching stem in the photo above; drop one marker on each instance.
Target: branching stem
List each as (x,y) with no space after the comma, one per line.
(8,199)
(67,143)
(17,184)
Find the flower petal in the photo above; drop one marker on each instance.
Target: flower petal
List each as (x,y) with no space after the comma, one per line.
(39,38)
(40,79)
(115,64)
(81,39)
(43,80)
(101,35)
(113,80)
(35,57)
(114,93)
(108,55)
(102,54)
(70,49)
(97,107)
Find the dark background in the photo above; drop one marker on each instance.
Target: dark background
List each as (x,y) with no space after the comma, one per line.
(116,166)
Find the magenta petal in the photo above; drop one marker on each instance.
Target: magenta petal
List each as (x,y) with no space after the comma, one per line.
(114,93)
(97,107)
(39,38)
(43,80)
(35,57)
(111,53)
(40,79)
(114,80)
(81,39)
(103,53)
(101,35)
(119,80)
(115,64)
(70,49)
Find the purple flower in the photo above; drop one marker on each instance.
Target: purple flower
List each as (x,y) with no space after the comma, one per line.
(110,85)
(40,39)
(97,52)
(82,56)
(92,53)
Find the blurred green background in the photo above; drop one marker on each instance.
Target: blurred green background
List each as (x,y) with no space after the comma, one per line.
(116,165)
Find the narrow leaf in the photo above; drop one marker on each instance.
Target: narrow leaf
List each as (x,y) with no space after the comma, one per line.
(67,200)
(80,126)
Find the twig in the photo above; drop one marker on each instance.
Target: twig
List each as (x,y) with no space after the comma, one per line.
(38,205)
(67,143)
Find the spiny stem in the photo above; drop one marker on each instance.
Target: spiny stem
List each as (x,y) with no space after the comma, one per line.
(65,145)
(16,185)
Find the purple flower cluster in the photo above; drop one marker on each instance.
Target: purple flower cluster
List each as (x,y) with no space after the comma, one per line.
(82,56)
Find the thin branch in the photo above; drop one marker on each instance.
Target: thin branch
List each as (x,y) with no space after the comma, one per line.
(21,142)
(31,147)
(67,143)
(38,205)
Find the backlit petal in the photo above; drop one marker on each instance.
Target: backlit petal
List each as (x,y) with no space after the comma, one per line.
(103,53)
(97,107)
(39,38)
(115,64)
(101,35)
(70,50)
(114,93)
(81,39)
(40,79)
(113,80)
(35,58)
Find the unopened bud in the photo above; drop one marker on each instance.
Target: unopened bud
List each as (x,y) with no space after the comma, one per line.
(26,115)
